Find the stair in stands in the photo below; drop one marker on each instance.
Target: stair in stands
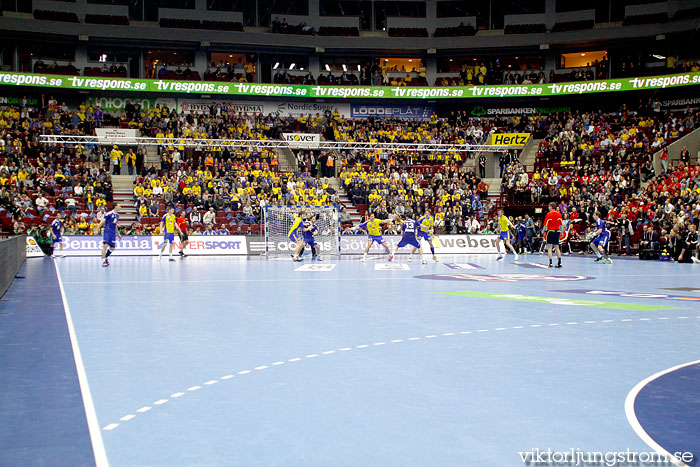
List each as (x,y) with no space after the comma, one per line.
(355,214)
(124,195)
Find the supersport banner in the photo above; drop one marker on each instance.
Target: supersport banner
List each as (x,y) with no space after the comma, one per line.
(346,92)
(145,245)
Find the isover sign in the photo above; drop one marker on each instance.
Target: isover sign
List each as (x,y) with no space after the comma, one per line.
(509,139)
(302,140)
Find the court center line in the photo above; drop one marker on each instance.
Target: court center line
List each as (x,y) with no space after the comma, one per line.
(112,426)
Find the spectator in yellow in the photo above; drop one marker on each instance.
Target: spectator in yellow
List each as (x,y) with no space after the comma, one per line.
(115,157)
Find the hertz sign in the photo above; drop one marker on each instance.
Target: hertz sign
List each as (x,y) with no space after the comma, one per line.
(510,139)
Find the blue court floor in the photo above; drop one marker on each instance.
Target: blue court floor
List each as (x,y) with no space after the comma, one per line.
(465,362)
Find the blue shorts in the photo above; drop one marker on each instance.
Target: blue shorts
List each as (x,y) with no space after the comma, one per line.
(110,238)
(503,236)
(427,236)
(311,242)
(57,239)
(295,237)
(168,237)
(376,238)
(409,241)
(602,239)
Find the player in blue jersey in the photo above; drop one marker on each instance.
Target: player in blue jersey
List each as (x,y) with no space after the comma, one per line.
(601,240)
(309,231)
(409,229)
(373,227)
(110,233)
(57,234)
(168,225)
(425,229)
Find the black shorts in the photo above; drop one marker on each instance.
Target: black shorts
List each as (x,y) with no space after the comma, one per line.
(183,237)
(553,237)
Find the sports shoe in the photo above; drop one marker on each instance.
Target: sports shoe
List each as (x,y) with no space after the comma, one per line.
(364,260)
(558,265)
(318,258)
(425,262)
(435,258)
(600,258)
(499,258)
(409,259)
(105,263)
(607,261)
(391,257)
(517,257)
(171,259)
(550,265)
(181,254)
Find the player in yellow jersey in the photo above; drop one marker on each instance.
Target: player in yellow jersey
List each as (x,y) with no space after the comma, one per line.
(296,234)
(168,225)
(373,227)
(425,230)
(504,226)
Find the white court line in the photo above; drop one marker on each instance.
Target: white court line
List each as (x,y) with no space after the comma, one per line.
(98,446)
(632,415)
(348,279)
(126,418)
(145,409)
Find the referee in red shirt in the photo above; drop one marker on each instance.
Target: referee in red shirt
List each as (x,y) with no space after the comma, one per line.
(554,227)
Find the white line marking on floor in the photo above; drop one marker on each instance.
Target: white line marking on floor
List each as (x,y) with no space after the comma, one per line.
(210,382)
(296,359)
(98,447)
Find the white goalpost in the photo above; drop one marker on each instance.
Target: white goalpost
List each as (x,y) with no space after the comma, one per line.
(279,219)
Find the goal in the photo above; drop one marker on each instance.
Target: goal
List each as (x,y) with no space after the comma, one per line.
(279,219)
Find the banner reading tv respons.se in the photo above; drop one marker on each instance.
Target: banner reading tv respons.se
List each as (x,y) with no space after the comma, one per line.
(346,92)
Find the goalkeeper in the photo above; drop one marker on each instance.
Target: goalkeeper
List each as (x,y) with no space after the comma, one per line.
(296,234)
(309,231)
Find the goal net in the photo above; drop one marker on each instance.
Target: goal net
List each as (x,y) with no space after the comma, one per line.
(279,219)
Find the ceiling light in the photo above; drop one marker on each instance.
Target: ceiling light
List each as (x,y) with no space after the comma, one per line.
(410,59)
(583,55)
(302,68)
(344,67)
(276,65)
(328,68)
(660,57)
(291,67)
(359,68)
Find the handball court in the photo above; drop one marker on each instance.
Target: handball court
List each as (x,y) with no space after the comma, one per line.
(232,361)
